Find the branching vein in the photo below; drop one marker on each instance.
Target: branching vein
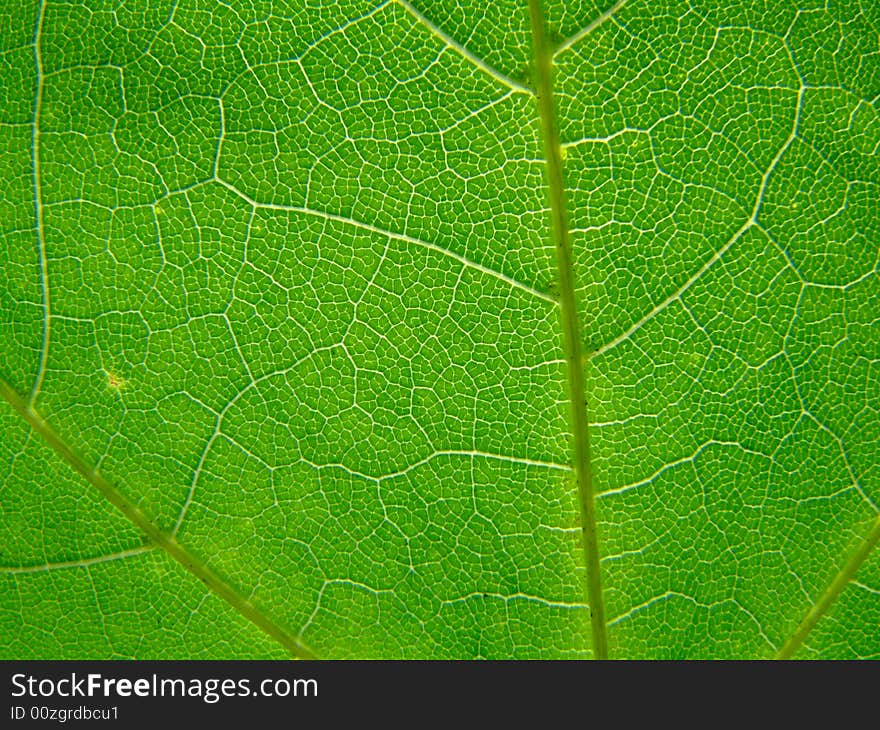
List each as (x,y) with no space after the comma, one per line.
(831,593)
(584,32)
(751,222)
(69,564)
(38,203)
(214,582)
(465,53)
(397,236)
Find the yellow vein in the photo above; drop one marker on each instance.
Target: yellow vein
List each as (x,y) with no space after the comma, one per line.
(834,589)
(38,202)
(168,543)
(584,32)
(464,52)
(570,326)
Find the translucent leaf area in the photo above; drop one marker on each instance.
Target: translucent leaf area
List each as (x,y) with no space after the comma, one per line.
(279,279)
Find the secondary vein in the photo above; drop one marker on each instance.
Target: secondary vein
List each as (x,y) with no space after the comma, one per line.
(834,589)
(583,33)
(392,235)
(168,543)
(464,52)
(570,325)
(38,202)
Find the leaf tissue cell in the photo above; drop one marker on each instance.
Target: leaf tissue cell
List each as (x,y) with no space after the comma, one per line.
(408,329)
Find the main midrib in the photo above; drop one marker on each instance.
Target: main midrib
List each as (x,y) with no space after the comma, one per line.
(543,60)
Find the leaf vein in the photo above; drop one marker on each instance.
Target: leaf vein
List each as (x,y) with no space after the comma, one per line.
(469,263)
(213,581)
(464,52)
(38,204)
(584,32)
(80,563)
(751,222)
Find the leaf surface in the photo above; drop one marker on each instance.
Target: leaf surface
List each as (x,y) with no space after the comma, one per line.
(280,285)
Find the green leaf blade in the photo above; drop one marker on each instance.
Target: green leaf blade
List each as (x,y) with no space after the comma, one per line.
(296,272)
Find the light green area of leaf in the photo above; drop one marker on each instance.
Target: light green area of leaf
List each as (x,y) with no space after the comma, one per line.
(283,275)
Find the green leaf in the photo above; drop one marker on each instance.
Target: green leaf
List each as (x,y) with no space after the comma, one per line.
(445,329)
